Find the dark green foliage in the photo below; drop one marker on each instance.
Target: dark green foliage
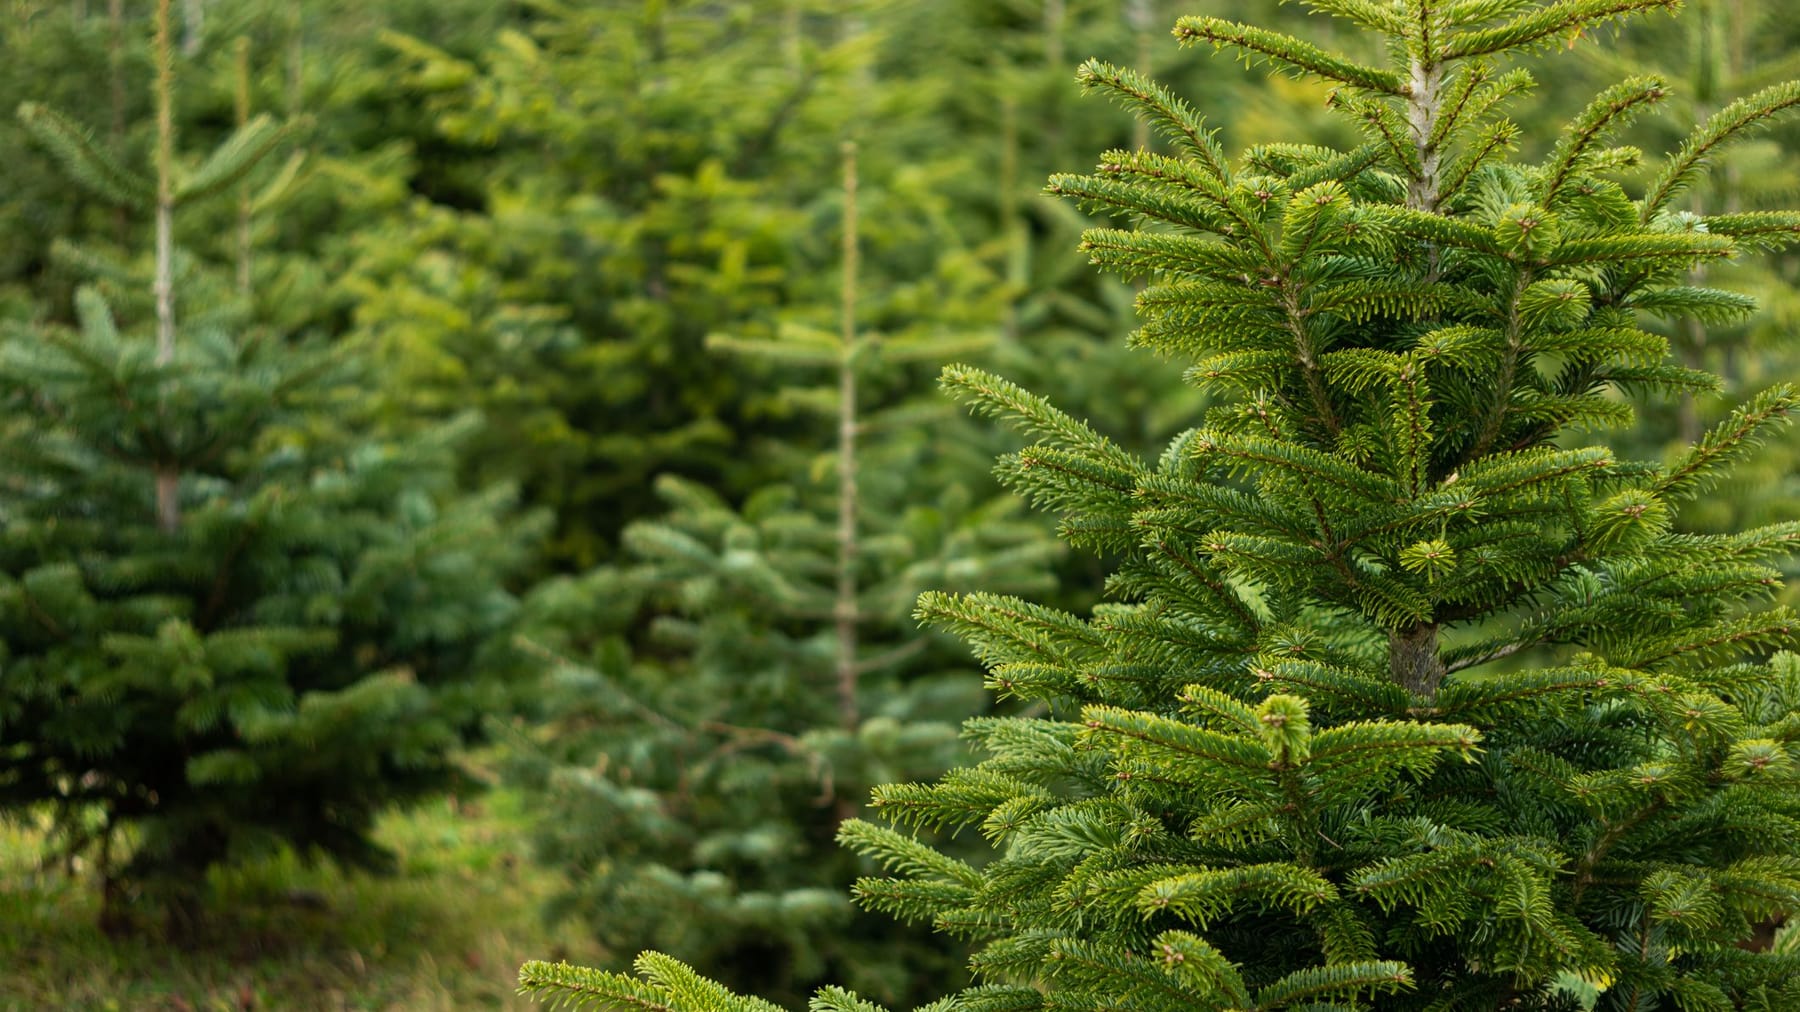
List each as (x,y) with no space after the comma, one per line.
(690,787)
(1296,763)
(231,621)
(725,697)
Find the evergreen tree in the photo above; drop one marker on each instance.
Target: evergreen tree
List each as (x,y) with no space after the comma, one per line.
(1296,764)
(1010,104)
(38,42)
(694,771)
(226,627)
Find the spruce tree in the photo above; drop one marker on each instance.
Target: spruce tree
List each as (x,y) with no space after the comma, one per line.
(1401,703)
(724,698)
(230,621)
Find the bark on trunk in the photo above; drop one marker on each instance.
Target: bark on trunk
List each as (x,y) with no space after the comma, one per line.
(847,609)
(168,477)
(1413,659)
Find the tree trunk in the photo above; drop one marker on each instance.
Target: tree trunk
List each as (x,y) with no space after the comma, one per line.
(847,610)
(168,477)
(115,78)
(1413,659)
(1141,15)
(193,17)
(241,73)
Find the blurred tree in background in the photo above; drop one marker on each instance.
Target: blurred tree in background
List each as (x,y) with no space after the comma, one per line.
(366,150)
(651,174)
(37,204)
(654,172)
(231,619)
(780,674)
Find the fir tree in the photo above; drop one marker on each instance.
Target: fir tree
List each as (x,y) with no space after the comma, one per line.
(1296,764)
(224,629)
(688,176)
(1012,112)
(694,772)
(1009,105)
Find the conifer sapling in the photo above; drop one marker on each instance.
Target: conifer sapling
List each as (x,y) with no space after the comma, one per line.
(722,701)
(225,626)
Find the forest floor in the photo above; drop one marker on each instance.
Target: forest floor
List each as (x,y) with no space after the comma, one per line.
(448,931)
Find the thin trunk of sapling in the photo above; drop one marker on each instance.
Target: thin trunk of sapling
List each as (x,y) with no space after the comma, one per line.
(115,80)
(244,209)
(846,611)
(1413,656)
(193,22)
(792,48)
(296,60)
(1141,15)
(168,477)
(1055,13)
(1011,227)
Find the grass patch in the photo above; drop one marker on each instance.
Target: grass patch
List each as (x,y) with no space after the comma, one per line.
(448,931)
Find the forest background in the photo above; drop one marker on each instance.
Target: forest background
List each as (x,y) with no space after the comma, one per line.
(648,300)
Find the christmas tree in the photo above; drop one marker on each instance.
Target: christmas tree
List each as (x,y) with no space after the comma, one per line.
(228,625)
(619,160)
(725,697)
(36,45)
(1297,762)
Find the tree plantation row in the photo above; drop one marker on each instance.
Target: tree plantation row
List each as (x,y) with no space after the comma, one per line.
(1379,600)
